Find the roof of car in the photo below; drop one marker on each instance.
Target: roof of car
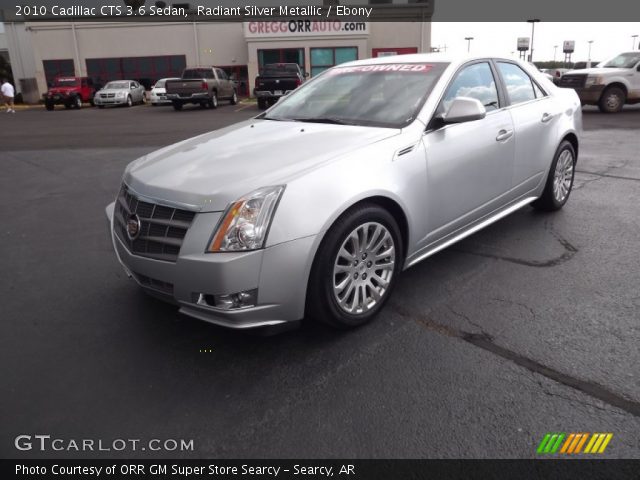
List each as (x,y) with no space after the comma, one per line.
(422,58)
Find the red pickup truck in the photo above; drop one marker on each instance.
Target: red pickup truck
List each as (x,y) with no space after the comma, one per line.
(70,92)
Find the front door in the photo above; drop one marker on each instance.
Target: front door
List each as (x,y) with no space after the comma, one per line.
(469,165)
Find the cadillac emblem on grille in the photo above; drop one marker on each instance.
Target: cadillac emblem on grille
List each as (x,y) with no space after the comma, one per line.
(133,226)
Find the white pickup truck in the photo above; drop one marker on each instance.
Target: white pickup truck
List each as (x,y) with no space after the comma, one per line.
(610,85)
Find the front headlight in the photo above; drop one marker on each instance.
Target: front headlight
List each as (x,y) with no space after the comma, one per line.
(121,94)
(592,80)
(245,224)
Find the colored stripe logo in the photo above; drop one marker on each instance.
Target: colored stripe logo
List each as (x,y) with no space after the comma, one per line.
(573,443)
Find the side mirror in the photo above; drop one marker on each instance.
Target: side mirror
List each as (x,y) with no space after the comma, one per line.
(464,109)
(232,77)
(133,87)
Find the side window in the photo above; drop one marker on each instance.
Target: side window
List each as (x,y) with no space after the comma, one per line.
(83,82)
(539,92)
(518,83)
(475,81)
(221,74)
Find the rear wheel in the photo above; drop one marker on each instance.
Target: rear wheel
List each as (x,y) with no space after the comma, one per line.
(560,180)
(262,104)
(356,268)
(177,106)
(234,98)
(213,102)
(612,100)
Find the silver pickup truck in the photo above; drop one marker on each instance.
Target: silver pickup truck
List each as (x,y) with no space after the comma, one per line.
(203,86)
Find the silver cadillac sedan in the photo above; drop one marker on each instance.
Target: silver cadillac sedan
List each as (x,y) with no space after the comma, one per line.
(314,207)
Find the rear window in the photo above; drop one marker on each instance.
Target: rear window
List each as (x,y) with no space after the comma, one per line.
(280,68)
(197,73)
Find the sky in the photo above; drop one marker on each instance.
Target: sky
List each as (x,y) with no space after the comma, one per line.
(609,39)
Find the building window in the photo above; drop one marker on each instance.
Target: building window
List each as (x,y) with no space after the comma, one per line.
(324,58)
(54,68)
(145,70)
(281,55)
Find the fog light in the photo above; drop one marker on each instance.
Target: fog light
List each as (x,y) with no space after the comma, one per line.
(231,301)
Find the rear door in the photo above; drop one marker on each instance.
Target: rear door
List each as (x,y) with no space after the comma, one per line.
(469,165)
(535,116)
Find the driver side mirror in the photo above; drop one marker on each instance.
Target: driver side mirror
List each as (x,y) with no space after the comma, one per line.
(463,109)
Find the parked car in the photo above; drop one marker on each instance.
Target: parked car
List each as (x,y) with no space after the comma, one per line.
(314,207)
(158,94)
(610,85)
(276,80)
(202,86)
(120,92)
(555,73)
(70,92)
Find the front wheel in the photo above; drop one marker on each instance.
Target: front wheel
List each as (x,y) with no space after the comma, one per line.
(560,180)
(612,100)
(49,106)
(129,101)
(77,103)
(355,268)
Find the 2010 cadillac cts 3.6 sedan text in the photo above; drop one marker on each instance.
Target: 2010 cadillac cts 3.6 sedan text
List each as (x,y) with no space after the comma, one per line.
(314,207)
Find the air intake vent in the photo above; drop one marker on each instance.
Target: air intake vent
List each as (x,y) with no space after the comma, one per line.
(405,150)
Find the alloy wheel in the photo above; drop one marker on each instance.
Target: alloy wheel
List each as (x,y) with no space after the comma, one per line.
(563,176)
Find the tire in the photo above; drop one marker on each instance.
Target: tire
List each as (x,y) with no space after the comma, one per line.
(213,102)
(144,99)
(67,106)
(262,104)
(234,98)
(333,268)
(129,101)
(177,106)
(559,181)
(204,104)
(612,100)
(77,103)
(49,106)
(91,102)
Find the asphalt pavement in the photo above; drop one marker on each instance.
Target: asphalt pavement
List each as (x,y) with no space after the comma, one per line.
(528,327)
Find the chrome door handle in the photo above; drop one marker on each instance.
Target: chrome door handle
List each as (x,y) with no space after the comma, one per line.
(546,117)
(504,135)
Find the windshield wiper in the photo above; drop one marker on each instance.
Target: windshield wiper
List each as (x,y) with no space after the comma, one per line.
(331,120)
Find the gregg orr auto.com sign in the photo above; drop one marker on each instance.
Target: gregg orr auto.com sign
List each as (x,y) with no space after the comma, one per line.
(303,27)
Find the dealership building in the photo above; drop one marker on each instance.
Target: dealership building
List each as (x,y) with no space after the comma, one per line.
(146,51)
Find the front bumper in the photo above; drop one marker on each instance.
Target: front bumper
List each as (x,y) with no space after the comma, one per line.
(590,95)
(159,99)
(192,97)
(58,99)
(268,94)
(109,101)
(279,273)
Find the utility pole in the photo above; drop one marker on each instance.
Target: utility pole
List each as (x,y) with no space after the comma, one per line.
(633,41)
(468,39)
(555,50)
(533,22)
(589,59)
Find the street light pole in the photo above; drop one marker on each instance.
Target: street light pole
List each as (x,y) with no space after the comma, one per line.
(589,59)
(555,50)
(633,41)
(533,22)
(468,39)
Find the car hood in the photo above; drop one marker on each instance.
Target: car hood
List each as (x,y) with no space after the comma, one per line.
(601,71)
(113,90)
(210,171)
(63,90)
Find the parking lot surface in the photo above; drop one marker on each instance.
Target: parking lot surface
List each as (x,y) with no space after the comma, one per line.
(530,326)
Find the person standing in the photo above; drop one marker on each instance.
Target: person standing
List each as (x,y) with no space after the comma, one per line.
(8,92)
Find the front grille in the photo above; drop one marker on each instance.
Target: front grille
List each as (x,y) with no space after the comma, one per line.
(162,228)
(573,81)
(107,95)
(154,284)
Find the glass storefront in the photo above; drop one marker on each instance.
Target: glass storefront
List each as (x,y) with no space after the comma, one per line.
(324,58)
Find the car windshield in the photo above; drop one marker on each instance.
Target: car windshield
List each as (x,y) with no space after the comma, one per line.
(280,68)
(116,85)
(381,95)
(66,82)
(624,60)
